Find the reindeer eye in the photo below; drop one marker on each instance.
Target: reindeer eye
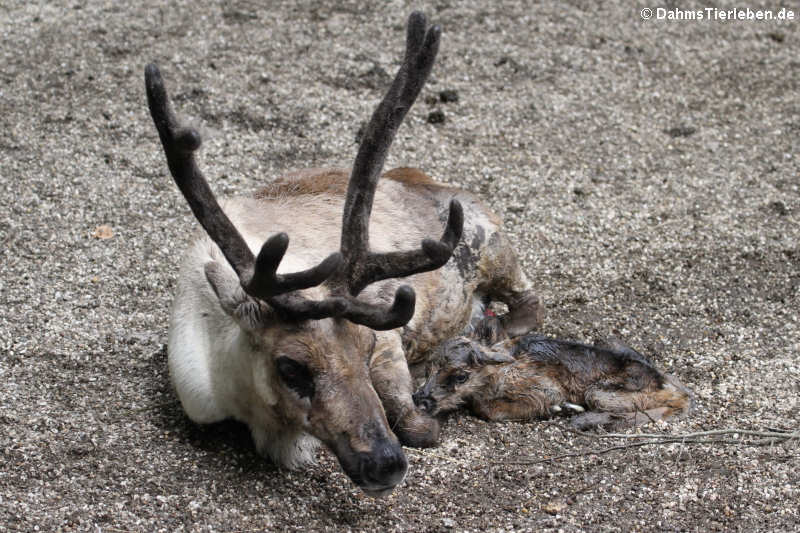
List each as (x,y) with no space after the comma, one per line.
(296,376)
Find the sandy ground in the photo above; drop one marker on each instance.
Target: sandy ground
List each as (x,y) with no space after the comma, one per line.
(646,169)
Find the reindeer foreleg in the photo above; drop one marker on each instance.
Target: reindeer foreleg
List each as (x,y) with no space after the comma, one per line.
(392,381)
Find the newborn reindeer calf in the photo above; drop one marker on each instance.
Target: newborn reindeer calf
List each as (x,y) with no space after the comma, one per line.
(537,377)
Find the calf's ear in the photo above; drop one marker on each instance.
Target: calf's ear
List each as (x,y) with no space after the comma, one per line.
(492,357)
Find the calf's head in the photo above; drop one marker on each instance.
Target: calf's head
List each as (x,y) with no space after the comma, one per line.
(457,373)
(313,346)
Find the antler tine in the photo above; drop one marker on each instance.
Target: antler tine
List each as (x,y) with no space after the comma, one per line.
(421,49)
(379,318)
(293,307)
(266,282)
(432,255)
(257,276)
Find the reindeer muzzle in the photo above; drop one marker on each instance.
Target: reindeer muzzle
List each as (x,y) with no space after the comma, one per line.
(378,471)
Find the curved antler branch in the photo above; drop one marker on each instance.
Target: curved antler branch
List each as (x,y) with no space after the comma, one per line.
(432,255)
(266,282)
(382,318)
(293,307)
(259,276)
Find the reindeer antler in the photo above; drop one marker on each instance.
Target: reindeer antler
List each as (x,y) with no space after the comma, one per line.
(355,267)
(362,267)
(257,275)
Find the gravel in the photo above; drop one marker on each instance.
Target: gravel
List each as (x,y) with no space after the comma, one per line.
(647,171)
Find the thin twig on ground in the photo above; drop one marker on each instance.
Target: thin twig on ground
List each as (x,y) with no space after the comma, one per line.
(701,437)
(781,434)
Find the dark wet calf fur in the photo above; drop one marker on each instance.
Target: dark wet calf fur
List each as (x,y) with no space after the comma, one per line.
(531,376)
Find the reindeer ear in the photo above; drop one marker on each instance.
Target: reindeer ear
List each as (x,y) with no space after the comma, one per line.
(247,311)
(226,286)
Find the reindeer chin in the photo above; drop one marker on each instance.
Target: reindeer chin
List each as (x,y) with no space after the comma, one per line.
(378,493)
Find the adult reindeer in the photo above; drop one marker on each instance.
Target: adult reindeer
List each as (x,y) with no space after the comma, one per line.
(307,344)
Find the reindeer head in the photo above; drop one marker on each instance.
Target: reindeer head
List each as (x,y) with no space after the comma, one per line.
(457,373)
(310,333)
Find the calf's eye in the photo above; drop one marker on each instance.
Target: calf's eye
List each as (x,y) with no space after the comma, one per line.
(295,375)
(458,378)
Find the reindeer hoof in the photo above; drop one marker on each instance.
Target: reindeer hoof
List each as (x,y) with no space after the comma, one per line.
(525,314)
(417,430)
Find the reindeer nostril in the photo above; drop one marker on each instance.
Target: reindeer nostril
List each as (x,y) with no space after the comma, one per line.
(425,404)
(385,466)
